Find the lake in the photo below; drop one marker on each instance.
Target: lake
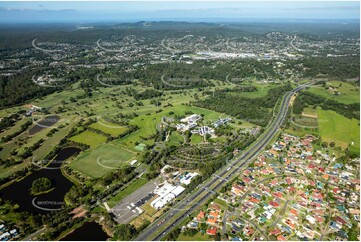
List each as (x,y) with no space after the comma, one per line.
(19,192)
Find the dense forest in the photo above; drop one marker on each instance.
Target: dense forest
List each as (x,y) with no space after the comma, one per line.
(253,110)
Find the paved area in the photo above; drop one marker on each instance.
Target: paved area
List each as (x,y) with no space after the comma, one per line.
(129,208)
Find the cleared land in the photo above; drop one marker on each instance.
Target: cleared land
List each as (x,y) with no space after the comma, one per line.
(101,160)
(89,138)
(339,129)
(348,93)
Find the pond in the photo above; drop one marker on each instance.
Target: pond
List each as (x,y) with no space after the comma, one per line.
(19,192)
(44,123)
(90,231)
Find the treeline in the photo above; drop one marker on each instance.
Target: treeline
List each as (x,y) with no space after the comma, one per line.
(305,99)
(23,127)
(9,121)
(253,110)
(19,88)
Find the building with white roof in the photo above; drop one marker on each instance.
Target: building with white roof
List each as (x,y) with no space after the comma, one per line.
(166,194)
(187,178)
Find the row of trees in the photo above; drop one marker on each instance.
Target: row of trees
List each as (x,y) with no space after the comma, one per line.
(305,99)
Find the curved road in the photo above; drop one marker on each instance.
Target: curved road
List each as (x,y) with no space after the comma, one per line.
(169,220)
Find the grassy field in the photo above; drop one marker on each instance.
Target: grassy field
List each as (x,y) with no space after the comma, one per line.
(89,138)
(348,92)
(305,121)
(309,112)
(339,129)
(221,203)
(197,237)
(196,139)
(175,138)
(109,128)
(101,160)
(127,191)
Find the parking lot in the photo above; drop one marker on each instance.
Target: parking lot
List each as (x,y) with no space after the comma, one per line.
(129,208)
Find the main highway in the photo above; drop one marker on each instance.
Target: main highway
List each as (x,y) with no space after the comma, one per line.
(169,220)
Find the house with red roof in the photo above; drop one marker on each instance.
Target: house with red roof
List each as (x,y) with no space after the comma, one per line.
(212,231)
(275,232)
(237,189)
(200,216)
(294,211)
(281,238)
(273,203)
(277,194)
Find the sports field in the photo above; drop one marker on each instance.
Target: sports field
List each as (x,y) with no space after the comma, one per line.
(109,128)
(89,138)
(101,160)
(339,129)
(348,93)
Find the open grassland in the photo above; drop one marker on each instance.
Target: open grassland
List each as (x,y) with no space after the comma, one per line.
(262,90)
(305,121)
(348,92)
(101,160)
(309,112)
(339,129)
(89,138)
(109,128)
(197,237)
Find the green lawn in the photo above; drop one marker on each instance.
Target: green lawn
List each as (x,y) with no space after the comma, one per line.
(175,138)
(89,138)
(221,203)
(101,160)
(197,237)
(196,139)
(109,128)
(262,90)
(339,129)
(348,92)
(127,191)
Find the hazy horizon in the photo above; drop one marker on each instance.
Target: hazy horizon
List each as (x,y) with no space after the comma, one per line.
(72,12)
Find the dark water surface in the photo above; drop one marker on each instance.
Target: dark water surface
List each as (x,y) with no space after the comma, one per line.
(90,231)
(44,123)
(19,192)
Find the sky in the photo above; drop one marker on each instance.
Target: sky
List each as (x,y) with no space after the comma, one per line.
(101,11)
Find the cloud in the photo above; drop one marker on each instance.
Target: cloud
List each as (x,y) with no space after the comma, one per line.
(346,8)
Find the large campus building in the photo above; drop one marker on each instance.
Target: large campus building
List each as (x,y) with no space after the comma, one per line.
(166,193)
